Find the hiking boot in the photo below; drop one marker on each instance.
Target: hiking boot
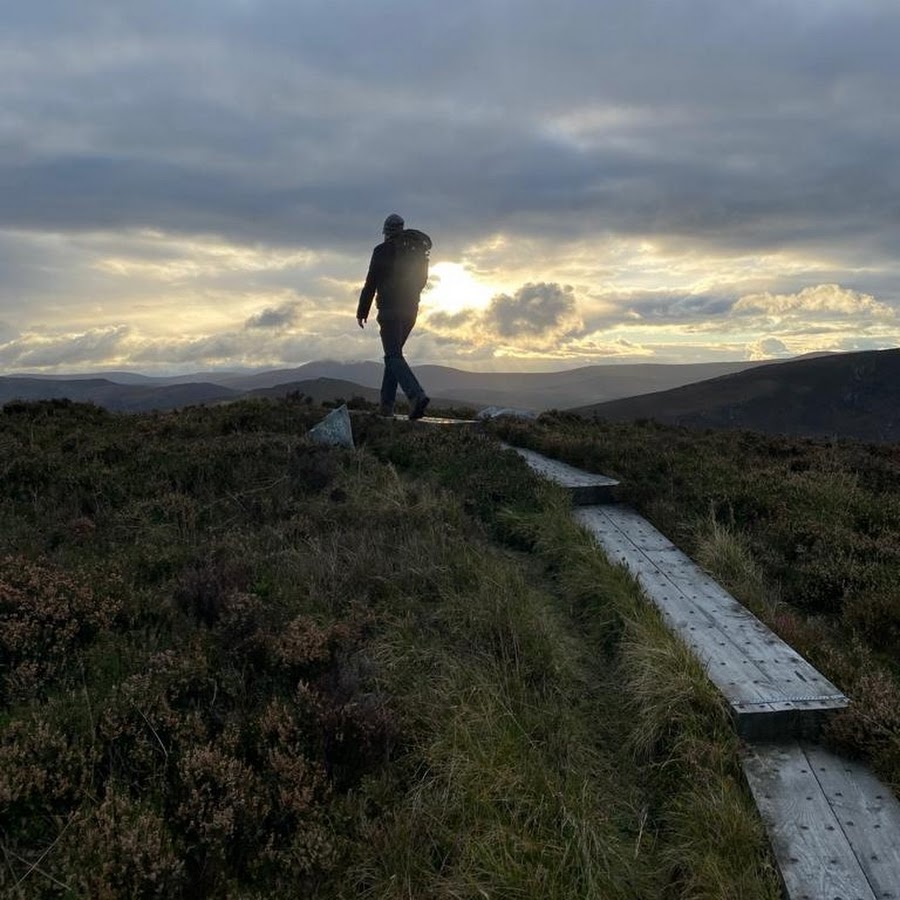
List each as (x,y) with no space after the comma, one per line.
(386,411)
(418,408)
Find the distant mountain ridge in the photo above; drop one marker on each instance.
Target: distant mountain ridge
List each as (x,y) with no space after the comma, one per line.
(127,391)
(112,395)
(848,395)
(808,395)
(528,390)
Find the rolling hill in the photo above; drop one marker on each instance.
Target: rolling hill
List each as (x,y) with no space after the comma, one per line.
(319,389)
(114,396)
(527,390)
(327,380)
(847,395)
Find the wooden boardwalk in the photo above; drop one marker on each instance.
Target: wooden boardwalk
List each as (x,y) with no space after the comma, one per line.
(773,692)
(834,827)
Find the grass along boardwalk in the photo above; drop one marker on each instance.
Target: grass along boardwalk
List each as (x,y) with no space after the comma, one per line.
(834,827)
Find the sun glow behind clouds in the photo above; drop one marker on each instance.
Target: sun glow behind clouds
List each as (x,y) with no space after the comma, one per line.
(452,288)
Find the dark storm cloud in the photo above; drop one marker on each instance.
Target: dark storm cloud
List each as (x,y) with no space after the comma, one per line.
(747,125)
(656,309)
(273,318)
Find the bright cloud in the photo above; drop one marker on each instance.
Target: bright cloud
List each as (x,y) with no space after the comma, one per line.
(827,299)
(535,317)
(767,348)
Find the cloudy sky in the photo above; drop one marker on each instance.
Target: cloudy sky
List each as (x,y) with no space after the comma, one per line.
(199,184)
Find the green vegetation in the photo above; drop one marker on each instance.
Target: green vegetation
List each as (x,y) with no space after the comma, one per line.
(806,533)
(237,664)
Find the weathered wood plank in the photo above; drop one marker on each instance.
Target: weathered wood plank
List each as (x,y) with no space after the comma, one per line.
(846,812)
(586,488)
(772,691)
(700,631)
(869,815)
(782,662)
(620,521)
(752,637)
(425,420)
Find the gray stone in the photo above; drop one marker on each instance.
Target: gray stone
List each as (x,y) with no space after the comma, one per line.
(497,412)
(334,429)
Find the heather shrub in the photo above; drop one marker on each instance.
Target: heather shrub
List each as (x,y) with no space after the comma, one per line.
(204,587)
(221,809)
(46,616)
(120,848)
(175,699)
(43,772)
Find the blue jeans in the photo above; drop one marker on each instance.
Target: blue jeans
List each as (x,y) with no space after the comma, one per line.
(394,333)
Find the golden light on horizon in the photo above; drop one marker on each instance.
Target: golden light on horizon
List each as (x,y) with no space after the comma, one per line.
(452,288)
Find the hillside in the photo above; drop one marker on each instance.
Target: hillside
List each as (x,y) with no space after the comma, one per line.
(319,390)
(238,664)
(142,396)
(848,395)
(328,390)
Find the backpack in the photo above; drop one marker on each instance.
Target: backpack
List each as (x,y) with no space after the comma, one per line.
(411,252)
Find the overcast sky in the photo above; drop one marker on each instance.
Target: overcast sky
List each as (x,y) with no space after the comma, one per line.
(199,184)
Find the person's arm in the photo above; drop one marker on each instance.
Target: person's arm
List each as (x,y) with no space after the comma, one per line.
(374,279)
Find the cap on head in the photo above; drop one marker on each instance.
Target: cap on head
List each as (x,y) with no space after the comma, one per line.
(393,224)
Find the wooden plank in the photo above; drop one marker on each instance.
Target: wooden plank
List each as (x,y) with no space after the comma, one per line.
(748,633)
(782,663)
(425,420)
(694,626)
(773,692)
(624,520)
(586,488)
(869,815)
(709,624)
(814,856)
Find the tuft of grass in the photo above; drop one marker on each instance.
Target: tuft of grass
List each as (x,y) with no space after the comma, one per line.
(726,553)
(509,793)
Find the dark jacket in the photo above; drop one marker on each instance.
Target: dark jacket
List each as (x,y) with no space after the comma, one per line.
(394,296)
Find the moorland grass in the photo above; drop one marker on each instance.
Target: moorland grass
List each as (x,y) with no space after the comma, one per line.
(238,664)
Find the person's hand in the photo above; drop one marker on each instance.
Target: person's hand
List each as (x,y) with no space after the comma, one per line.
(361,322)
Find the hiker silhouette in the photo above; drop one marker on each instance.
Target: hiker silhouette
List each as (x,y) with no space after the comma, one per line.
(397,273)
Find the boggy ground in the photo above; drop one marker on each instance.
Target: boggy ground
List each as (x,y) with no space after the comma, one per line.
(236,664)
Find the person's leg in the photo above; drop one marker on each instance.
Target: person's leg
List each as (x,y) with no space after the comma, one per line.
(392,340)
(396,369)
(420,401)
